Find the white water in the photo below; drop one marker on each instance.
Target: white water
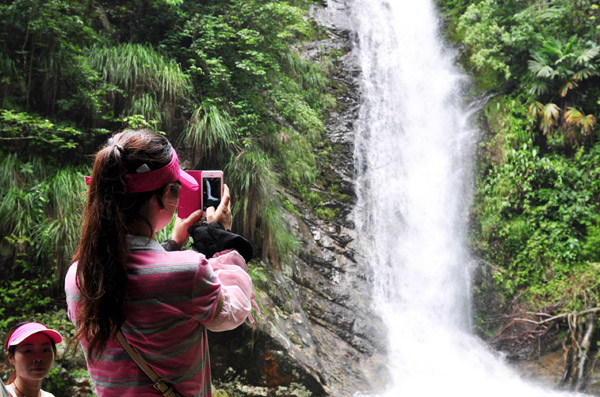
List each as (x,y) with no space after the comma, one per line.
(414,147)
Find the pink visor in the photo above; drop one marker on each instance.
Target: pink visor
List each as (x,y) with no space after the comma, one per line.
(26,330)
(152,180)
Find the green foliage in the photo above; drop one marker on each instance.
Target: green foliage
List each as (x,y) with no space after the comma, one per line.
(141,81)
(535,211)
(536,207)
(42,43)
(261,108)
(209,131)
(225,81)
(500,35)
(479,29)
(591,246)
(559,67)
(21,298)
(260,209)
(22,131)
(40,216)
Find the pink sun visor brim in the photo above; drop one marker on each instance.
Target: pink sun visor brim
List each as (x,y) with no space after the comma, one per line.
(26,330)
(153,180)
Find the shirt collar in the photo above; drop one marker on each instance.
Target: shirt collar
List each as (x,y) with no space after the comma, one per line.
(141,243)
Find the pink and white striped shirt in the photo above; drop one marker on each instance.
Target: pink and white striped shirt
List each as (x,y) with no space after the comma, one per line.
(172,299)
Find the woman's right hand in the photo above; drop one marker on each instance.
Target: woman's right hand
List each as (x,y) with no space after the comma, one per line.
(181,226)
(223,212)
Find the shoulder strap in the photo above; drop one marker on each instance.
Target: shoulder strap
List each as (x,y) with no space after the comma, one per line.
(157,382)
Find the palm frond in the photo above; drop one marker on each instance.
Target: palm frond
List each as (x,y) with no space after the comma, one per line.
(584,73)
(572,116)
(568,85)
(535,109)
(588,123)
(587,55)
(539,88)
(553,46)
(543,71)
(570,44)
(549,117)
(563,58)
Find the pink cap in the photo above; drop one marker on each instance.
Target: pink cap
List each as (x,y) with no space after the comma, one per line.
(26,330)
(152,180)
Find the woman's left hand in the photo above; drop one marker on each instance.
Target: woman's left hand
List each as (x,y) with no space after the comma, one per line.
(180,229)
(222,214)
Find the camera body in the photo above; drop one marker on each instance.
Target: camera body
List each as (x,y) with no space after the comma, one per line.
(209,194)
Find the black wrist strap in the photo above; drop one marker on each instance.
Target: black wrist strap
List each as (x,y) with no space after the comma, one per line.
(210,238)
(170,245)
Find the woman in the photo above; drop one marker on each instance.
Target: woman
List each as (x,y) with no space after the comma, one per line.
(31,351)
(162,299)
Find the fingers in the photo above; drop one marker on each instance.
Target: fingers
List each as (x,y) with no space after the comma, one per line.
(194,217)
(210,213)
(223,212)
(226,199)
(181,226)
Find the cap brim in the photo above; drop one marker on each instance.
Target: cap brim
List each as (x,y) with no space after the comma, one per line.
(35,329)
(55,336)
(188,181)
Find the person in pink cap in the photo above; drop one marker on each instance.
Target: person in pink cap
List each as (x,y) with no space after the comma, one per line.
(31,350)
(162,298)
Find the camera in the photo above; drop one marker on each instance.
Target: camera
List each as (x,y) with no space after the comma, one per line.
(209,194)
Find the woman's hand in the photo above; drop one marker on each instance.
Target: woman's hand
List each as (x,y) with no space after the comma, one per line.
(180,229)
(223,212)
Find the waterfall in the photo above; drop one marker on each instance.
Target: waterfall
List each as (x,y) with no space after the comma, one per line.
(414,154)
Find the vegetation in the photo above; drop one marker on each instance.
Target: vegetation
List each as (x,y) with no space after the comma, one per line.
(228,85)
(225,81)
(536,213)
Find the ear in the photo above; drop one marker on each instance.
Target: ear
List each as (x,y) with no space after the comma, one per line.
(11,358)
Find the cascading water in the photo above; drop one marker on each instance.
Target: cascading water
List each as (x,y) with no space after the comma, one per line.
(414,152)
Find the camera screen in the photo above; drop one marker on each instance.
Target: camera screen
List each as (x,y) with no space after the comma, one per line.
(211,192)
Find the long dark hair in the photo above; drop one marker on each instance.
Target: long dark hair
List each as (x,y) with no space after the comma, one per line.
(110,213)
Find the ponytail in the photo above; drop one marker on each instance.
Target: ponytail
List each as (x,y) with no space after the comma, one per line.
(110,213)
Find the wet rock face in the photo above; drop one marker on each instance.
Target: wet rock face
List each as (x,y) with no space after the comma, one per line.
(317,328)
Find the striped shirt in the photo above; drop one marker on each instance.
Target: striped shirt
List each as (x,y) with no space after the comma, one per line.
(171,299)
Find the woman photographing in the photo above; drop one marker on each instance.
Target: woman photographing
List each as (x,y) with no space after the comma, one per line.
(126,289)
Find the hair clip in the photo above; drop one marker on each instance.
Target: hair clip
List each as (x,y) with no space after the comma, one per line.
(142,169)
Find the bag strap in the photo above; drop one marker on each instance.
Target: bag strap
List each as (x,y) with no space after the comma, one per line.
(157,382)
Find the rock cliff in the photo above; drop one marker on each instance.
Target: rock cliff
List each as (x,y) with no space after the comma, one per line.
(317,333)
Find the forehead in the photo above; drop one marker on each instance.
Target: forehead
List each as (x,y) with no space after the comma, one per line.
(37,339)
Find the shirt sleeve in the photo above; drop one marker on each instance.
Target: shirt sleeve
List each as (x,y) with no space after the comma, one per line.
(205,293)
(72,292)
(236,291)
